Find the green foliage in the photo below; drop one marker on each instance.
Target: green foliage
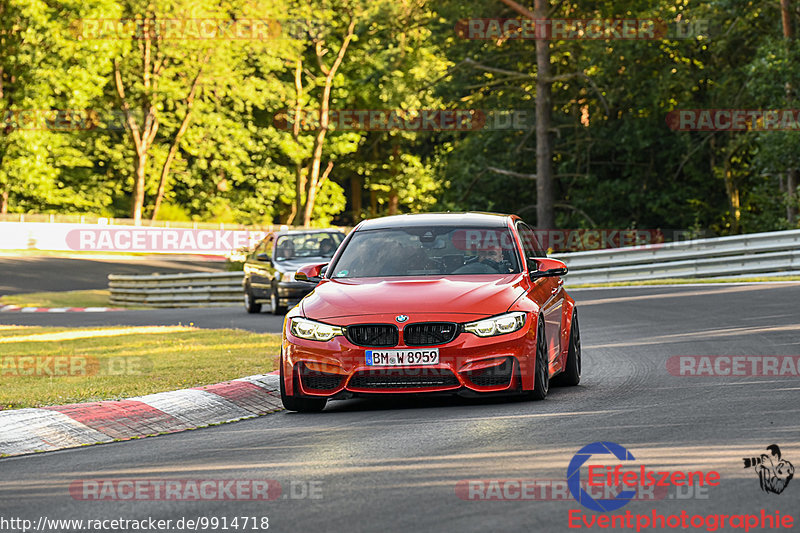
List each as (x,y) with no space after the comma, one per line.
(617,164)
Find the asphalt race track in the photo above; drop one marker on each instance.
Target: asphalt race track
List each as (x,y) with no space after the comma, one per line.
(20,274)
(394,465)
(211,318)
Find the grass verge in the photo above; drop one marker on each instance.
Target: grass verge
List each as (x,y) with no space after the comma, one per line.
(685,281)
(69,365)
(88,298)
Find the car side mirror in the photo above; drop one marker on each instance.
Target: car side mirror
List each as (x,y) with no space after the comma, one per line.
(542,267)
(264,257)
(310,273)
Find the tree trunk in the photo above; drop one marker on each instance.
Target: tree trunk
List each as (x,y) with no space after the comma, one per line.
(162,184)
(138,187)
(733,196)
(791,204)
(319,142)
(356,186)
(143,137)
(4,203)
(545,218)
(299,171)
(394,202)
(791,175)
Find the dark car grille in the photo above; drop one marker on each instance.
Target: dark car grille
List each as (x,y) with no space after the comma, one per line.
(403,378)
(493,376)
(429,333)
(373,334)
(314,380)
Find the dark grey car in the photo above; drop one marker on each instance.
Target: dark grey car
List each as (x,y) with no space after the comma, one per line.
(270,267)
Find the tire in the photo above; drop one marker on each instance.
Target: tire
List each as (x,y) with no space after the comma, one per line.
(250,301)
(541,382)
(274,308)
(301,405)
(571,375)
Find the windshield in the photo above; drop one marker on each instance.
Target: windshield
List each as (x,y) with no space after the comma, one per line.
(302,245)
(428,252)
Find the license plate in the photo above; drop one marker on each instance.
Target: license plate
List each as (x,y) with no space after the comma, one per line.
(429,356)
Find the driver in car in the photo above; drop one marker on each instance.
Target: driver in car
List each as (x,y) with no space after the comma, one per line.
(488,261)
(285,249)
(327,247)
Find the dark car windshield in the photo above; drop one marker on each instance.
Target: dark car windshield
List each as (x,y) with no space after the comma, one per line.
(431,251)
(301,245)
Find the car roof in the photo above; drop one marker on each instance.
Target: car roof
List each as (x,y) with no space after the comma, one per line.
(472,219)
(303,231)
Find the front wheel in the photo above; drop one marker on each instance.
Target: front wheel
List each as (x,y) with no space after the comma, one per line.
(274,307)
(541,384)
(572,369)
(301,405)
(250,301)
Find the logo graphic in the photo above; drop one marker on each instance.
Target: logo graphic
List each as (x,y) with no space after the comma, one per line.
(401,318)
(774,473)
(574,477)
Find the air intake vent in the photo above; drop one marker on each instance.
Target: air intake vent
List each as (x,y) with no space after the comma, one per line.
(404,378)
(494,376)
(319,381)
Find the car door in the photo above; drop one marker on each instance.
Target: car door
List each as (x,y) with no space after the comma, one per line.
(547,292)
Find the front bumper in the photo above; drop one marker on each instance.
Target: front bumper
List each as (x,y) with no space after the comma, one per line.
(468,363)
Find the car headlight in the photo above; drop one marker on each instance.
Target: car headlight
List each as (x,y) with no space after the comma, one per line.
(287,276)
(314,331)
(498,325)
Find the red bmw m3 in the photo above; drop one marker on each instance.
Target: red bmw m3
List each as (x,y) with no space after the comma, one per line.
(463,303)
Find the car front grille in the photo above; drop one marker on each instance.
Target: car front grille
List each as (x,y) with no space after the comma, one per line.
(318,381)
(373,334)
(494,376)
(403,378)
(429,333)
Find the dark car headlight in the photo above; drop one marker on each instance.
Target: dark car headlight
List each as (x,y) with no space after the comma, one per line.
(496,325)
(314,331)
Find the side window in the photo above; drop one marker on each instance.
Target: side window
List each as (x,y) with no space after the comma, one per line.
(529,243)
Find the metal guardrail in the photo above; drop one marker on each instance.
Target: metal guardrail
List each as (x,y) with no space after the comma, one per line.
(211,289)
(756,254)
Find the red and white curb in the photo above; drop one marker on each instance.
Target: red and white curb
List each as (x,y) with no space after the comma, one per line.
(18,309)
(31,430)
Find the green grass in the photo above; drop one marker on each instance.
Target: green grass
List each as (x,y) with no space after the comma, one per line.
(89,298)
(685,281)
(123,362)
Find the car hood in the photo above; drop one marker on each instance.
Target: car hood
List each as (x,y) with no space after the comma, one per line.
(478,295)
